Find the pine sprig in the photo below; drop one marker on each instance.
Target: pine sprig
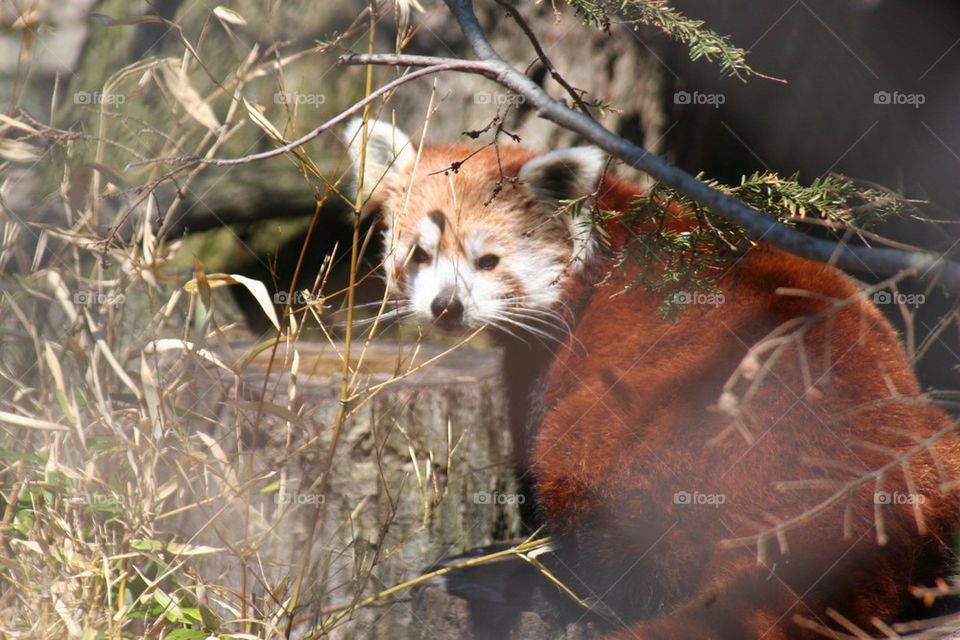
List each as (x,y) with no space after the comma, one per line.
(702,42)
(832,198)
(678,253)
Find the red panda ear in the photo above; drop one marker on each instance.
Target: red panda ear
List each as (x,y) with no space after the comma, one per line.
(389,152)
(567,175)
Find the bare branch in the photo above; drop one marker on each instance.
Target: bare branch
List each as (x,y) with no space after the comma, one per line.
(552,70)
(431,66)
(759,227)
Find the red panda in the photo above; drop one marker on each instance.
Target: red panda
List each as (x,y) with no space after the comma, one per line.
(752,468)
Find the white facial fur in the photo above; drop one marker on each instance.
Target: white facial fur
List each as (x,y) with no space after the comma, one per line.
(485,297)
(456,226)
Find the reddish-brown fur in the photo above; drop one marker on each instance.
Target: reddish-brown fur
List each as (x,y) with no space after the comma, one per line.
(629,423)
(630,418)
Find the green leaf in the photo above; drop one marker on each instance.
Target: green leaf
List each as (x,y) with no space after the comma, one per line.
(142,544)
(186,634)
(168,607)
(210,619)
(701,41)
(680,251)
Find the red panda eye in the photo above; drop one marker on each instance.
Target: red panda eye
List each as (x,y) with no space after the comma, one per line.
(420,256)
(488,262)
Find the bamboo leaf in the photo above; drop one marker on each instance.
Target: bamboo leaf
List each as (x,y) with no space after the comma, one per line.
(176,80)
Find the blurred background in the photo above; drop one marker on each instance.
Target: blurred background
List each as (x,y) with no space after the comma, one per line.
(869,92)
(839,60)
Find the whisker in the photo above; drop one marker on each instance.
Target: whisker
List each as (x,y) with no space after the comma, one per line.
(375,303)
(534,312)
(537,333)
(384,326)
(563,315)
(366,305)
(548,319)
(394,314)
(493,323)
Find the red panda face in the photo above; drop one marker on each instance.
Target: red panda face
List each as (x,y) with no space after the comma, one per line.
(488,244)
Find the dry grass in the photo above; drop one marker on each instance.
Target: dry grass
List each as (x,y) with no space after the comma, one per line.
(145,440)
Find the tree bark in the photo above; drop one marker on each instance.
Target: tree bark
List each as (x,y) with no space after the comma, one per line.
(415,479)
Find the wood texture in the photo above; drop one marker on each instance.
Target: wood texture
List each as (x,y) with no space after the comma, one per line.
(404,490)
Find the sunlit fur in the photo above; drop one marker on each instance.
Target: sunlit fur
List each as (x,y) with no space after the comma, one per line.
(626,414)
(483,213)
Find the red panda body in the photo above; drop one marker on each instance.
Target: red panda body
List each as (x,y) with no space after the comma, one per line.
(764,456)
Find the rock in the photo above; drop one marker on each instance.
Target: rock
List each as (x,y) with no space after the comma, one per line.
(504,599)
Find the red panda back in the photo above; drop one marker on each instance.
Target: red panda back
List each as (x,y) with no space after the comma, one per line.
(669,481)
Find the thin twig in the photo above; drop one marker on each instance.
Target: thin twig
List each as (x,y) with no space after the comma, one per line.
(758,227)
(552,70)
(446,65)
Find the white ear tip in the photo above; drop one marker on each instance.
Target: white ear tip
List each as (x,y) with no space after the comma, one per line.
(351,129)
(593,158)
(388,151)
(375,128)
(594,153)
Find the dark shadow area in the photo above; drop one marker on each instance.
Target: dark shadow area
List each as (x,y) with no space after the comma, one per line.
(871,94)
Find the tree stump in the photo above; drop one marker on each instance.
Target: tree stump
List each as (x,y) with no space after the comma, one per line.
(509,600)
(411,483)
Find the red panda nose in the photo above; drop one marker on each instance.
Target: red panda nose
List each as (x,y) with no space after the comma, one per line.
(447,306)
